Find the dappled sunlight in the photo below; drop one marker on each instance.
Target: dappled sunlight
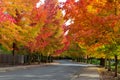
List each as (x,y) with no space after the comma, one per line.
(26,76)
(91,68)
(90,75)
(39,76)
(70,63)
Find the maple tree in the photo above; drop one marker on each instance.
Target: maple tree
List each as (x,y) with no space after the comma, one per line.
(94,26)
(36,28)
(81,30)
(74,51)
(19,16)
(111,14)
(18,27)
(51,35)
(95,22)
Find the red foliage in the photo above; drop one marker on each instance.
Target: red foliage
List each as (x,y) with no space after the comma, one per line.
(41,41)
(66,43)
(38,14)
(4,16)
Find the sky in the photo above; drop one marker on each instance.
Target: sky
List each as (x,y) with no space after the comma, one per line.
(42,1)
(67,23)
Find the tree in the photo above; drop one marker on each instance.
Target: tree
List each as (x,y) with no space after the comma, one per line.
(21,30)
(95,21)
(50,36)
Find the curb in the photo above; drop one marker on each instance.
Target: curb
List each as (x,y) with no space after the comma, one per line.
(12,68)
(5,69)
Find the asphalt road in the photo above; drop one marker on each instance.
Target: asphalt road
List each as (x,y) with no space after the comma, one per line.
(61,70)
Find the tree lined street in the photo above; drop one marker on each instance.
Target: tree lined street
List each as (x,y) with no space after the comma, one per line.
(60,70)
(41,31)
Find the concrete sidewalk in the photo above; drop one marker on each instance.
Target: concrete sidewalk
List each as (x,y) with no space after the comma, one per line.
(11,68)
(88,73)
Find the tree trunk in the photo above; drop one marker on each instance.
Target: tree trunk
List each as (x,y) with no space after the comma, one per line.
(116,65)
(116,60)
(30,58)
(13,53)
(81,59)
(40,58)
(87,59)
(102,62)
(109,65)
(50,58)
(90,60)
(47,59)
(105,63)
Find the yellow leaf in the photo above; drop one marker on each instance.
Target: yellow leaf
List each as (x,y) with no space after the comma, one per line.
(116,29)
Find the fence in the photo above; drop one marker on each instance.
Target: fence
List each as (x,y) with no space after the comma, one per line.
(8,59)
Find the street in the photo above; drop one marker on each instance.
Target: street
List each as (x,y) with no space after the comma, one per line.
(61,70)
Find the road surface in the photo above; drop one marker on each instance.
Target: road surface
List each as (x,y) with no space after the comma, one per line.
(61,70)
